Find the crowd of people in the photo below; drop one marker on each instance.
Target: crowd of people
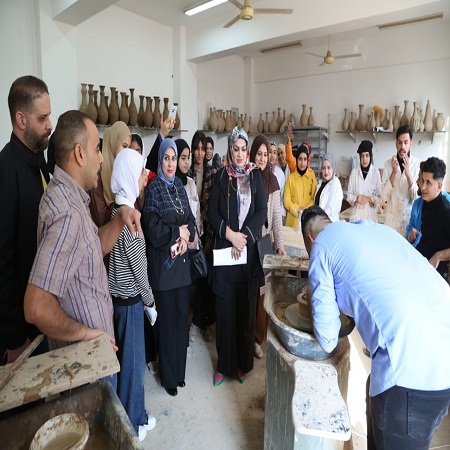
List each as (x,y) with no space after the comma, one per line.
(103,244)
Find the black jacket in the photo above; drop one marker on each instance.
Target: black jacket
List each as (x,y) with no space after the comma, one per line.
(21,191)
(220,217)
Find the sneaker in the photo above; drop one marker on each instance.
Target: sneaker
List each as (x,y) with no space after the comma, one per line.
(153,366)
(142,433)
(258,351)
(193,332)
(208,334)
(150,423)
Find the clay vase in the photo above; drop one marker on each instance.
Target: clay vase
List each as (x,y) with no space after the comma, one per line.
(360,122)
(414,123)
(346,121)
(428,119)
(102,116)
(148,114)
(229,121)
(311,117)
(246,123)
(304,117)
(396,119)
(96,100)
(369,116)
(124,115)
(84,98)
(274,124)
(267,124)
(390,126)
(404,120)
(251,129)
(91,111)
(439,122)
(141,112)
(208,122)
(279,119)
(107,104)
(352,125)
(283,122)
(177,118)
(156,113)
(373,122)
(214,121)
(260,125)
(385,123)
(166,108)
(132,110)
(240,120)
(113,109)
(221,122)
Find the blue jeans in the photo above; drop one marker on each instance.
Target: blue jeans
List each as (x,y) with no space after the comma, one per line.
(129,327)
(405,419)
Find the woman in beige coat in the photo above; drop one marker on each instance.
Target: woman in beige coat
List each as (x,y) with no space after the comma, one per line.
(273,225)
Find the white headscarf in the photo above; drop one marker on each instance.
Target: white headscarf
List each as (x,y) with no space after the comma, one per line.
(127,169)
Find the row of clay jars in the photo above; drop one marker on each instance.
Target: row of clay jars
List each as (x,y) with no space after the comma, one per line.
(103,114)
(220,120)
(417,122)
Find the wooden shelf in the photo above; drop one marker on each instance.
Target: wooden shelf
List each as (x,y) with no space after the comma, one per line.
(375,134)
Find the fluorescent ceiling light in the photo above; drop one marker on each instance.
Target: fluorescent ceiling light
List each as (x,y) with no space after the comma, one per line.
(282,47)
(203,7)
(402,23)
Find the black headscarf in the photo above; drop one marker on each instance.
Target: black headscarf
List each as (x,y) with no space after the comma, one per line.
(181,145)
(365,147)
(302,149)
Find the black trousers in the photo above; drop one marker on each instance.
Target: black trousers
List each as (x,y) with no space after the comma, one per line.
(172,334)
(235,327)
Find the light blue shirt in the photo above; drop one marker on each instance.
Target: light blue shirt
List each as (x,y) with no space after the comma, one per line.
(415,220)
(400,303)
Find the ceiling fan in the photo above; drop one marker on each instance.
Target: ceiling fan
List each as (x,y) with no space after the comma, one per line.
(246,12)
(329,58)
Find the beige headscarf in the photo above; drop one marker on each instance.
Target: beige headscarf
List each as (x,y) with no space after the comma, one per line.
(112,140)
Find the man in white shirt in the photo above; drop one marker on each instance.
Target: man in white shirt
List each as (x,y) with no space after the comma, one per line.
(398,186)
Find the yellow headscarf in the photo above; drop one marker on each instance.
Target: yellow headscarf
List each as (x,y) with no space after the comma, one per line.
(112,140)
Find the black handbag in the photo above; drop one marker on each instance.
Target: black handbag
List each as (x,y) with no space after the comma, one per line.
(264,245)
(198,262)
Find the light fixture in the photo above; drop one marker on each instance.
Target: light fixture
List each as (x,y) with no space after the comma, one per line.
(203,7)
(402,23)
(293,44)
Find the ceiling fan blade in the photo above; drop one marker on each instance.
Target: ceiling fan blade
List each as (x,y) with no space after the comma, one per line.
(272,11)
(232,22)
(353,55)
(314,54)
(236,3)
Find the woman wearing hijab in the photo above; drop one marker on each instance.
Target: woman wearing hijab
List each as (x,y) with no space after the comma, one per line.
(130,291)
(116,138)
(259,154)
(168,225)
(329,191)
(364,186)
(237,212)
(300,188)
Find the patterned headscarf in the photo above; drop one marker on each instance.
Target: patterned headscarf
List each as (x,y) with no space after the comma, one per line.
(112,140)
(235,134)
(329,157)
(165,145)
(125,176)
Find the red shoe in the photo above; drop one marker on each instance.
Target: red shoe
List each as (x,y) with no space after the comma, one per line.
(241,375)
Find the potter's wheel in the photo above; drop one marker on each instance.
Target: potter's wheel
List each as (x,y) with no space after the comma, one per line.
(297,321)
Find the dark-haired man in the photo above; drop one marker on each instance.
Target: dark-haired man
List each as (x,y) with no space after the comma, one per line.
(435,240)
(398,186)
(23,178)
(354,268)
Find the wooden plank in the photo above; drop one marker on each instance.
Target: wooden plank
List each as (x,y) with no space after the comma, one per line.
(59,370)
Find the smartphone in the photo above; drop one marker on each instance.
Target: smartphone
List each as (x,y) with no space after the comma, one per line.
(290,129)
(175,250)
(173,113)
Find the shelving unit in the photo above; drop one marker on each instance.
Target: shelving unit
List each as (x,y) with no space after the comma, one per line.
(143,131)
(375,134)
(318,138)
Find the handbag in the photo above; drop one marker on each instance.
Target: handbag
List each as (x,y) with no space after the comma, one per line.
(198,262)
(264,245)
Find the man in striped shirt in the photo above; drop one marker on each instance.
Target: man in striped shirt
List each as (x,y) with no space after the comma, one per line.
(68,297)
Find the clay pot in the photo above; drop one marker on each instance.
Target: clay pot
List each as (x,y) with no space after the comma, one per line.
(228,121)
(360,122)
(132,110)
(385,123)
(428,119)
(274,123)
(346,121)
(311,117)
(246,123)
(84,98)
(279,119)
(251,129)
(221,121)
(373,122)
(140,116)
(148,114)
(369,125)
(166,108)
(156,113)
(439,123)
(113,109)
(404,120)
(260,125)
(352,125)
(213,121)
(396,119)
(240,120)
(124,115)
(91,110)
(96,100)
(267,124)
(414,123)
(303,117)
(102,116)
(177,118)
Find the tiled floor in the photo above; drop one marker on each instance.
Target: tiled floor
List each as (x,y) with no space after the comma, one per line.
(231,416)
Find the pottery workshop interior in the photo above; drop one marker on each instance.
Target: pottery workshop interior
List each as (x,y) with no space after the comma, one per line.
(338,72)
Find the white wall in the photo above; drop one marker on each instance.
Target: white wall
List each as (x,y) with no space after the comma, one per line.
(409,63)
